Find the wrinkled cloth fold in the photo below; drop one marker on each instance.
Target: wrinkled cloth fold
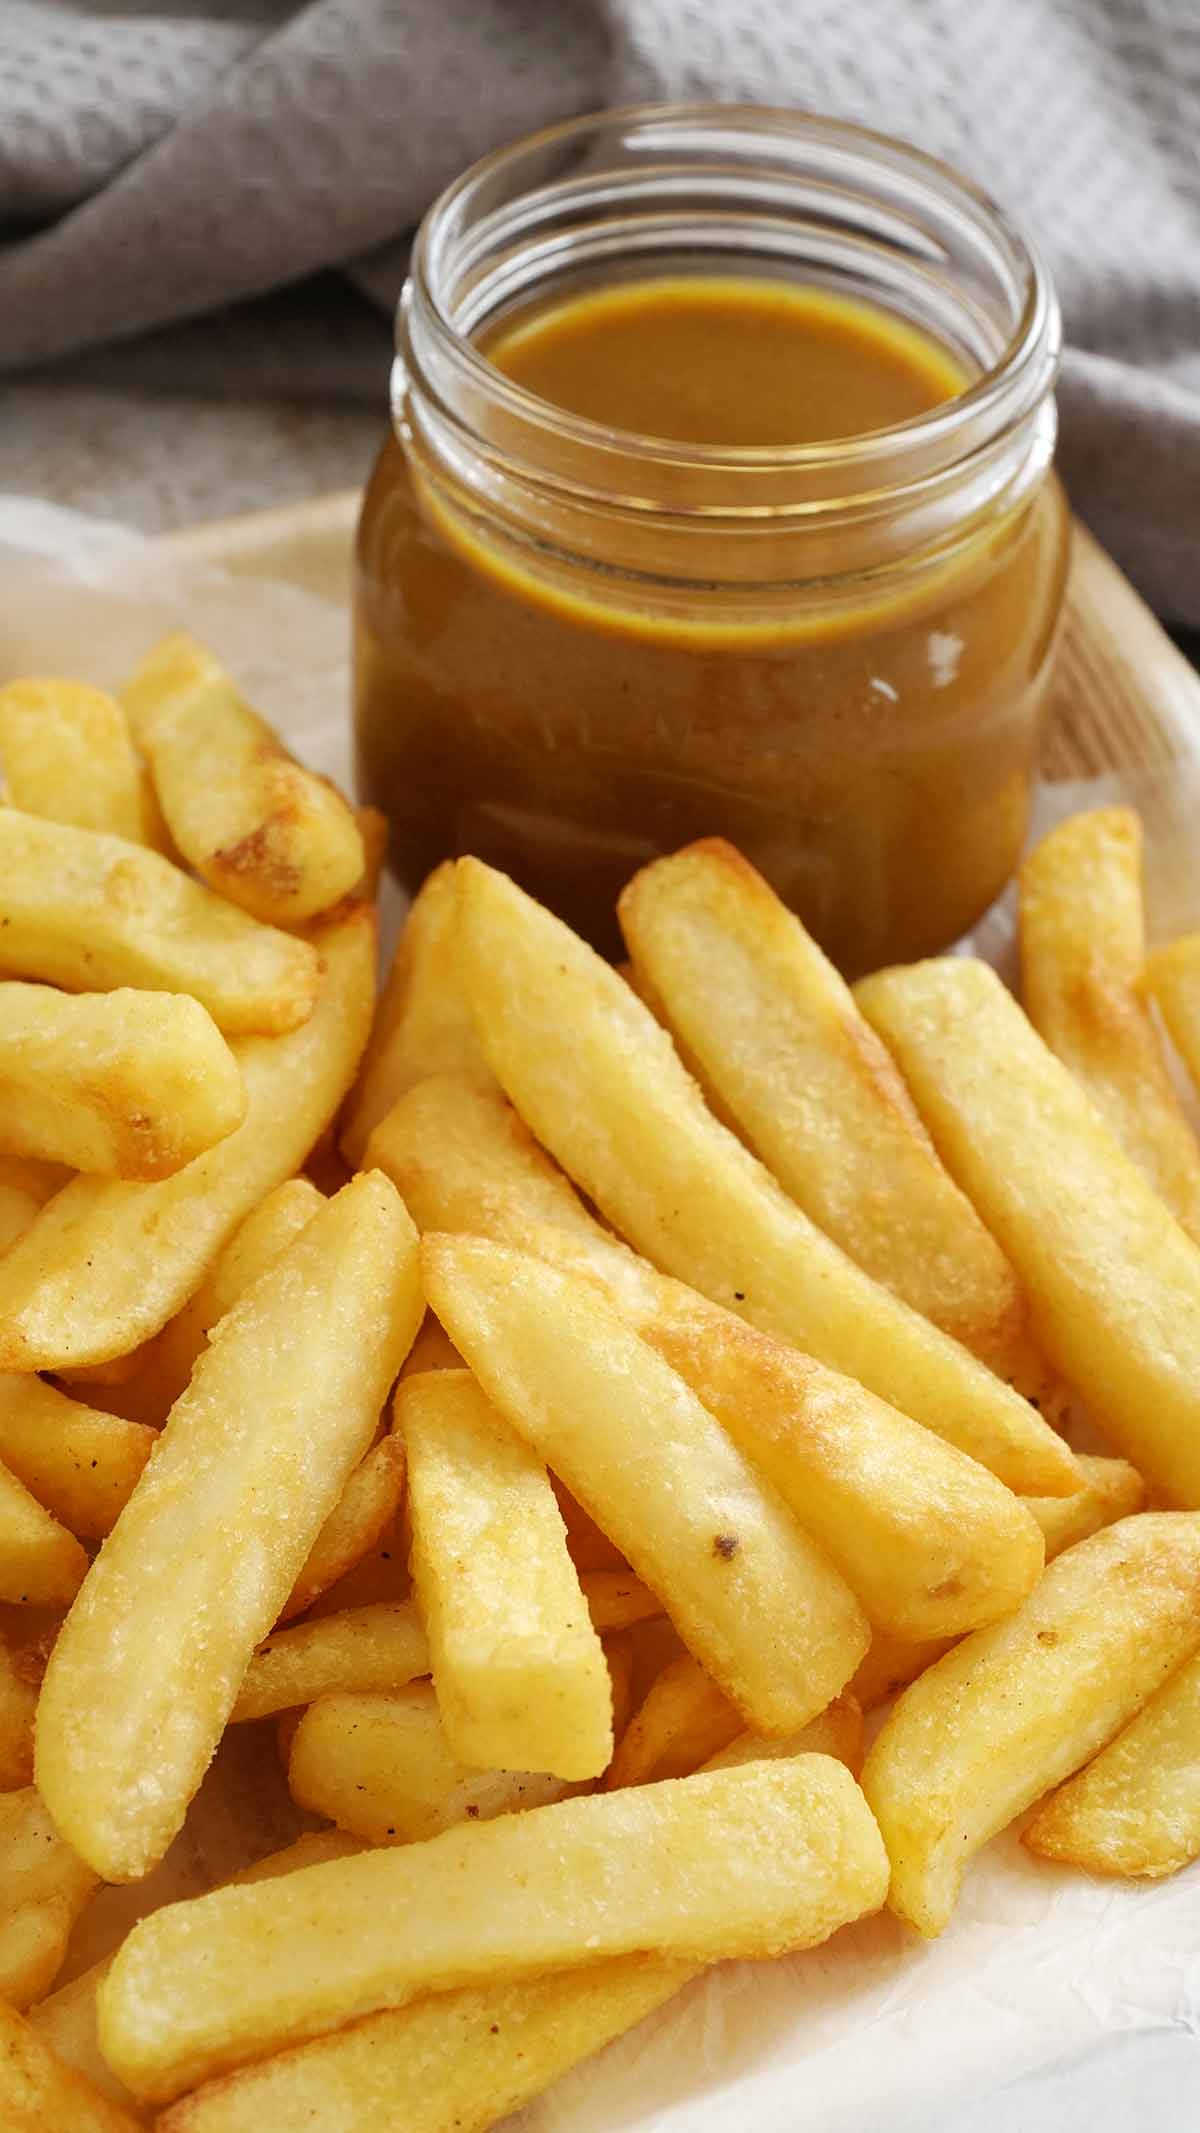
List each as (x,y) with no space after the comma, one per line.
(160,165)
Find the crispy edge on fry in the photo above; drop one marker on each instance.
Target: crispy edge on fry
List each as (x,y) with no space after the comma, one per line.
(1136,1808)
(66,752)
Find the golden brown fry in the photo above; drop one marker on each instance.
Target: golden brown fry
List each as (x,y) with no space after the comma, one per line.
(92,912)
(1113,1281)
(1083,956)
(600,1084)
(683,1722)
(892,1663)
(619,1655)
(757,1604)
(380,1647)
(39,2094)
(81,1465)
(148,1664)
(1173,976)
(424,1024)
(374,830)
(929,1541)
(836,1731)
(364,1509)
(794,1067)
(790,1853)
(107,1262)
(66,753)
(18,1703)
(257,826)
(41,1564)
(43,1888)
(1111,1489)
(590,1549)
(518,1668)
(1014,1709)
(1136,1809)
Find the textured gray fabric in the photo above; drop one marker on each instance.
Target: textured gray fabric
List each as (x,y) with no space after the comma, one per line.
(161,162)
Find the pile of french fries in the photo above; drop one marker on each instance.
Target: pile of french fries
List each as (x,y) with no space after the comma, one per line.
(546,1412)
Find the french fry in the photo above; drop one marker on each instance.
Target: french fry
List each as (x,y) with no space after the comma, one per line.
(1114,1282)
(1111,1489)
(148,1665)
(619,1656)
(262,830)
(455,2063)
(130,1083)
(41,1564)
(929,1541)
(1136,1809)
(66,753)
(361,1514)
(1173,976)
(39,2093)
(24,1188)
(757,1604)
(836,1731)
(892,1663)
(683,1722)
(381,1647)
(92,912)
(617,1600)
(1016,1708)
(43,1888)
(590,1550)
(600,1084)
(431,1350)
(792,1064)
(374,831)
(518,1668)
(424,1024)
(81,1465)
(107,1261)
(382,1766)
(1083,956)
(18,1702)
(789,1853)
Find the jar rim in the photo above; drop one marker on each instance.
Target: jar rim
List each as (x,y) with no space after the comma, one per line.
(1018,379)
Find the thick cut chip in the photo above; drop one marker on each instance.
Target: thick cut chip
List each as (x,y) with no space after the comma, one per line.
(38,2094)
(92,912)
(518,1668)
(836,1731)
(1114,1282)
(1083,958)
(792,1064)
(378,1647)
(107,1261)
(362,1513)
(1173,976)
(1016,1708)
(929,1541)
(130,1083)
(148,1664)
(683,1722)
(748,1862)
(382,1767)
(1111,1489)
(602,1087)
(424,1024)
(1136,1809)
(80,1464)
(43,1888)
(757,1604)
(41,1564)
(66,753)
(456,2063)
(265,832)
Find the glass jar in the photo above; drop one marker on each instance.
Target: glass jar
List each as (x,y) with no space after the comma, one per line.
(578,647)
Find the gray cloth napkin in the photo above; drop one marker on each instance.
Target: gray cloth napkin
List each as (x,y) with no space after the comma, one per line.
(161,164)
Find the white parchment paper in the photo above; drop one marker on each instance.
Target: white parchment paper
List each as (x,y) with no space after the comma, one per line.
(1091,1988)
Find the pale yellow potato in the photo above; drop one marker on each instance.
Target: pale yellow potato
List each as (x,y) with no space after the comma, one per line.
(368,1503)
(1083,959)
(381,1765)
(930,1542)
(616,1599)
(133,1084)
(791,1063)
(1113,1280)
(892,1663)
(257,826)
(66,753)
(455,2063)
(43,1889)
(683,1722)
(1111,1489)
(148,1664)
(41,1564)
(836,1731)
(39,2094)
(92,912)
(378,1647)
(108,1261)
(1016,1708)
(424,1023)
(1136,1809)
(25,1188)
(756,1603)
(518,1668)
(80,1464)
(755,1861)
(1173,976)
(602,1087)
(18,1703)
